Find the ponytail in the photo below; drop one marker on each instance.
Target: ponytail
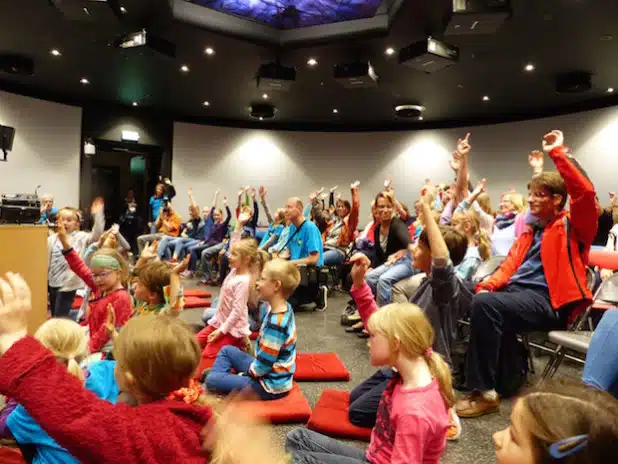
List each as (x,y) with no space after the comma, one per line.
(67,342)
(442,373)
(74,369)
(484,244)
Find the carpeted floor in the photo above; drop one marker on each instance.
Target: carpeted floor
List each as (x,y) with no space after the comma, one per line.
(323,332)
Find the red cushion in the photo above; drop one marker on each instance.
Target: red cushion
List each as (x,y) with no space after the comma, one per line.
(254,335)
(292,408)
(11,456)
(330,417)
(196,292)
(320,366)
(77,302)
(195,302)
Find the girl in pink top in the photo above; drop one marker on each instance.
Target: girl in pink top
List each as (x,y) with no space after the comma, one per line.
(230,324)
(412,417)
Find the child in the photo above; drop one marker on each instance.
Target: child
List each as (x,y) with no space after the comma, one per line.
(62,282)
(106,279)
(156,355)
(479,247)
(67,341)
(156,285)
(230,324)
(413,410)
(276,224)
(339,233)
(560,422)
(269,373)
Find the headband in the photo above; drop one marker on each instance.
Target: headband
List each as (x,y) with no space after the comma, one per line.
(105,261)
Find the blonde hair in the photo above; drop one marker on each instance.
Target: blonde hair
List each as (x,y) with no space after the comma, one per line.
(280,215)
(286,273)
(247,248)
(160,351)
(67,341)
(406,323)
(479,234)
(555,410)
(484,202)
(517,200)
(259,261)
(124,266)
(71,210)
(247,209)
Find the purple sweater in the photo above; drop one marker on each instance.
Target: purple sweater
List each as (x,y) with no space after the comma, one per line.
(4,414)
(217,234)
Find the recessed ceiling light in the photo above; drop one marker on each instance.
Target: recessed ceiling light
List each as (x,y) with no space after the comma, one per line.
(265,96)
(261,118)
(206,103)
(312,61)
(485,98)
(134,103)
(123,10)
(84,81)
(209,51)
(420,118)
(610,90)
(55,52)
(529,67)
(390,51)
(335,110)
(184,68)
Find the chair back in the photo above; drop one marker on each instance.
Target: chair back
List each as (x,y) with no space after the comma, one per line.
(608,291)
(603,259)
(487,268)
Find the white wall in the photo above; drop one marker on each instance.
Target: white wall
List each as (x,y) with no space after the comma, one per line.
(46,148)
(294,163)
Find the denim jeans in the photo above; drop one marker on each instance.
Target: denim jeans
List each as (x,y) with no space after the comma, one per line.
(221,380)
(382,278)
(601,369)
(207,255)
(144,240)
(333,257)
(165,245)
(309,447)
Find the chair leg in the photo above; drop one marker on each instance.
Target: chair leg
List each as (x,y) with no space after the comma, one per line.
(553,363)
(526,342)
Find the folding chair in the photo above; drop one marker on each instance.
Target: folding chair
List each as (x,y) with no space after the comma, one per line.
(604,298)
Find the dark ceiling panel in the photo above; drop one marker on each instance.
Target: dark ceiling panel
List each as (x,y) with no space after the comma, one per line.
(555,35)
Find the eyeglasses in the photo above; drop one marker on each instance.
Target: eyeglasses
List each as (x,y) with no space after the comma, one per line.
(101,275)
(556,449)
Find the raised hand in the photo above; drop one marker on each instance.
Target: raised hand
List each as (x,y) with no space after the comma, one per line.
(334,188)
(388,184)
(463,145)
(217,192)
(323,196)
(612,197)
(536,160)
(552,140)
(313,196)
(240,192)
(167,181)
(263,192)
(62,235)
(97,205)
(247,188)
(455,161)
(480,188)
(360,265)
(354,185)
(338,196)
(427,187)
(190,191)
(225,200)
(150,252)
(110,321)
(253,193)
(15,303)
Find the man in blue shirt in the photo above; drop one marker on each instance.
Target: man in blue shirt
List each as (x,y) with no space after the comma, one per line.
(305,248)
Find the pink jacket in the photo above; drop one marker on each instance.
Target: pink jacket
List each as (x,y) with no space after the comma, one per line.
(365,302)
(232,315)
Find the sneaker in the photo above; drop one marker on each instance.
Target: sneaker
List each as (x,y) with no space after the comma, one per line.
(454,426)
(322,301)
(476,405)
(363,334)
(350,319)
(186,274)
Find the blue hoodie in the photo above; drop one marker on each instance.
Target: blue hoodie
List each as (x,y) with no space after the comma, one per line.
(26,431)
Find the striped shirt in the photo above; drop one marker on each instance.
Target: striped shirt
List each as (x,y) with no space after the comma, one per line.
(275,354)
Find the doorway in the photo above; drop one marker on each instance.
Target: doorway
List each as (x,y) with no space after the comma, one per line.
(115,170)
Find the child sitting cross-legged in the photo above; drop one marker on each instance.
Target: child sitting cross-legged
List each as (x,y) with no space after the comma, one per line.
(107,278)
(412,415)
(269,373)
(156,355)
(68,343)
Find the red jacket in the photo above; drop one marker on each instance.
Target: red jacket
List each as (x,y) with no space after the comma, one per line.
(564,253)
(91,429)
(97,304)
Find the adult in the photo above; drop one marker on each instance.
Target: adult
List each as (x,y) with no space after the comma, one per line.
(167,224)
(48,211)
(392,261)
(339,233)
(304,247)
(539,284)
(131,225)
(163,194)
